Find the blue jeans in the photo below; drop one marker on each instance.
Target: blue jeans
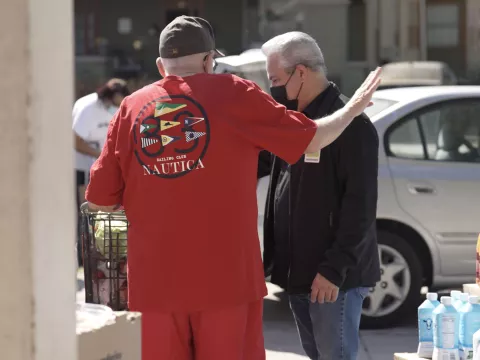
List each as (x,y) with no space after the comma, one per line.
(329,331)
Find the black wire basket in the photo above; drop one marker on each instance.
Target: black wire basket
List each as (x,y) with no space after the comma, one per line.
(104,248)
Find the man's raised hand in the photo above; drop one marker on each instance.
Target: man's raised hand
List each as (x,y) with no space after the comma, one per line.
(363,96)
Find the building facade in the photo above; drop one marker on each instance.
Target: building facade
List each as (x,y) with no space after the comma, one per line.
(441,30)
(120,37)
(357,35)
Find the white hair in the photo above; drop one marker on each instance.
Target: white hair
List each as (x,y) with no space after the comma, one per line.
(189,63)
(296,48)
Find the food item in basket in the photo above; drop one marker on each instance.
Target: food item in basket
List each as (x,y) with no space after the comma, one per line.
(122,266)
(123,291)
(110,235)
(110,284)
(101,284)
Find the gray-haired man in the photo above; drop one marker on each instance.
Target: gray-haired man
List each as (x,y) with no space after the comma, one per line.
(320,237)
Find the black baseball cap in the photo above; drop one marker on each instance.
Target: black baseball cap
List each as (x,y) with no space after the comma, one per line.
(187,35)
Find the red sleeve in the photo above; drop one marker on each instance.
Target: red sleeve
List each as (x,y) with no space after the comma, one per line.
(269,125)
(106,181)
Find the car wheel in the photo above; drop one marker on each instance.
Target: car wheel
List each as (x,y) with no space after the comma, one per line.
(398,291)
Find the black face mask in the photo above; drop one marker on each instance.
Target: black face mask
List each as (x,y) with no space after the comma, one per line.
(279,94)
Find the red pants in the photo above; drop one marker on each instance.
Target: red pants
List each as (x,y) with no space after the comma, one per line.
(232,333)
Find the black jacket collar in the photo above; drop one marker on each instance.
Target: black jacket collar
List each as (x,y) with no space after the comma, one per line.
(323,103)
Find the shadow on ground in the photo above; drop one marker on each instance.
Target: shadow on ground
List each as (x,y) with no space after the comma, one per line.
(279,327)
(276,308)
(281,335)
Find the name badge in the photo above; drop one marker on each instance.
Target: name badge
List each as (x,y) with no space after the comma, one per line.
(312,157)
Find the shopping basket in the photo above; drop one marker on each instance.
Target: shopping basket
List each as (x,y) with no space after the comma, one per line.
(104,248)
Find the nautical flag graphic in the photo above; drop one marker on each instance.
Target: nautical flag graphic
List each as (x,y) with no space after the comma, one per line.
(164,125)
(166,108)
(190,121)
(169,139)
(147,127)
(192,135)
(148,141)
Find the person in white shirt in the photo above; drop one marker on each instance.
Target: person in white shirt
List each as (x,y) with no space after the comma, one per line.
(91,117)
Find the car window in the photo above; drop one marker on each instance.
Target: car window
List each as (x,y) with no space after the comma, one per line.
(430,122)
(449,131)
(378,106)
(405,141)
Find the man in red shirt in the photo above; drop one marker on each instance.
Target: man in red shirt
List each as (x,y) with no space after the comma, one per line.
(181,158)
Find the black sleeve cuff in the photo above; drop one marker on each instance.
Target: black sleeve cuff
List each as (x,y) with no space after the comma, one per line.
(331,275)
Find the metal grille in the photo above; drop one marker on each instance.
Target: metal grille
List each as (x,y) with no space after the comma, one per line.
(104,241)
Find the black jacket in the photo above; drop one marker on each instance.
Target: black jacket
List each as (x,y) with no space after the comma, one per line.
(320,217)
(264,164)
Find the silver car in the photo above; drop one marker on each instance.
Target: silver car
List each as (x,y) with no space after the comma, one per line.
(416,73)
(428,216)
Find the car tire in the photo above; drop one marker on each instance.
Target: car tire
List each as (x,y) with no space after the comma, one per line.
(395,309)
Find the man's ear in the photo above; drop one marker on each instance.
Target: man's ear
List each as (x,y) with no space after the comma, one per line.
(302,71)
(160,67)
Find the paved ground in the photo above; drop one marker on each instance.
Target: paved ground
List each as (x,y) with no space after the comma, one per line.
(281,341)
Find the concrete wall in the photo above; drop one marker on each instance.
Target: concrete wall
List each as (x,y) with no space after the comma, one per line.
(37,266)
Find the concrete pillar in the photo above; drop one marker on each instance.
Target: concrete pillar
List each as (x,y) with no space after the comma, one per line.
(372,32)
(388,27)
(37,267)
(410,18)
(423,29)
(403,29)
(473,38)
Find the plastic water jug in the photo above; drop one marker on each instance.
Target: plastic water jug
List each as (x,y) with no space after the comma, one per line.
(476,345)
(455,295)
(445,331)
(461,301)
(425,326)
(469,325)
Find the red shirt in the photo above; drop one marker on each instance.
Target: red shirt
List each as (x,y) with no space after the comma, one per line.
(181,157)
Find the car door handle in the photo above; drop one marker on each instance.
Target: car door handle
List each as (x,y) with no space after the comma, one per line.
(421,189)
